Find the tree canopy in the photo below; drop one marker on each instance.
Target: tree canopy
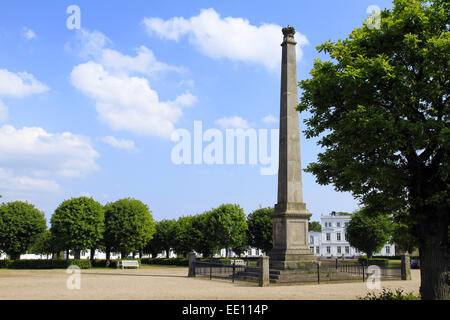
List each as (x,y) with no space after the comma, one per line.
(380,109)
(260,229)
(129,226)
(20,224)
(164,236)
(368,233)
(78,224)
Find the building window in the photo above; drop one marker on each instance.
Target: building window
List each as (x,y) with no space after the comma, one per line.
(388,249)
(347,249)
(311,249)
(338,224)
(250,252)
(338,237)
(328,249)
(311,239)
(338,249)
(328,236)
(317,250)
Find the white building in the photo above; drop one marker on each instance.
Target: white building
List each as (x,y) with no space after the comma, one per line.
(331,242)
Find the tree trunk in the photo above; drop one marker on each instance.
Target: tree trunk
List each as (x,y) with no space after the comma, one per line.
(108,257)
(92,254)
(434,272)
(167,253)
(77,254)
(67,254)
(140,254)
(123,255)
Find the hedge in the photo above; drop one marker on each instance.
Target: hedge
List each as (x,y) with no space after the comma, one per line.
(44,264)
(166,261)
(185,261)
(101,263)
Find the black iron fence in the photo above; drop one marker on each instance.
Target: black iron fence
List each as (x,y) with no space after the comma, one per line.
(313,272)
(231,271)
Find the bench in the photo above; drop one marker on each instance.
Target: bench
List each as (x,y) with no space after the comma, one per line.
(130,263)
(238,262)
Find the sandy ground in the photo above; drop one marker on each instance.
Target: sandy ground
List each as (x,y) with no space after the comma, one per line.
(170,283)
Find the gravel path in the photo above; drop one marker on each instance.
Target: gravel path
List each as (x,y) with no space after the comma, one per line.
(167,283)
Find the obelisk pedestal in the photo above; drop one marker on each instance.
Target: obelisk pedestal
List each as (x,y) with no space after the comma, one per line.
(290,219)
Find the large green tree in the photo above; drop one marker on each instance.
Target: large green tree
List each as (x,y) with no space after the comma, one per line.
(227,228)
(260,229)
(42,244)
(206,243)
(129,226)
(380,109)
(78,224)
(368,233)
(20,224)
(164,237)
(185,235)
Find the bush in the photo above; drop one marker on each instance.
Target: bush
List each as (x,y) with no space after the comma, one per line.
(377,261)
(166,261)
(101,263)
(44,264)
(387,294)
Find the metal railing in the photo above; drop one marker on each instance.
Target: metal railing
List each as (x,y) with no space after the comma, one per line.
(229,271)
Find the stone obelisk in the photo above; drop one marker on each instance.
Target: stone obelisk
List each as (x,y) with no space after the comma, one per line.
(290,219)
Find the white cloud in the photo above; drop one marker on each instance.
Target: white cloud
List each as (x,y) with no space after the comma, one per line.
(269,119)
(232,123)
(233,38)
(123,100)
(35,153)
(28,33)
(120,144)
(10,182)
(3,112)
(145,62)
(19,84)
(91,43)
(128,103)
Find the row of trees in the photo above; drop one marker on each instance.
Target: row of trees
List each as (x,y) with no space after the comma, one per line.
(127,226)
(77,224)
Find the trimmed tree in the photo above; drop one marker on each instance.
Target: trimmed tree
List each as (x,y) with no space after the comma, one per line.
(43,243)
(20,224)
(260,229)
(129,226)
(164,237)
(185,236)
(205,243)
(368,233)
(314,226)
(78,224)
(381,110)
(227,228)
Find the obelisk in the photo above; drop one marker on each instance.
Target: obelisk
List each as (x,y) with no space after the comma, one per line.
(290,219)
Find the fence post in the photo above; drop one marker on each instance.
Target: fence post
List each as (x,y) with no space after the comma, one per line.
(210,269)
(234,269)
(264,271)
(363,271)
(406,267)
(318,272)
(191,272)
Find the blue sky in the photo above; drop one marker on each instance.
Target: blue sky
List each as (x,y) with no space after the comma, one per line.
(91,111)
